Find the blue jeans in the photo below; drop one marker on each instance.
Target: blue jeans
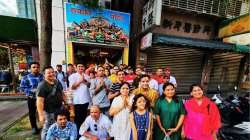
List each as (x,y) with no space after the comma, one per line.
(49,120)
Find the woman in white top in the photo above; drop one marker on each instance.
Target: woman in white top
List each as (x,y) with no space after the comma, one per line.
(120,110)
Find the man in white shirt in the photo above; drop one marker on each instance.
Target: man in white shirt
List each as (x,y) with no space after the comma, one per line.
(79,84)
(169,77)
(97,126)
(153,84)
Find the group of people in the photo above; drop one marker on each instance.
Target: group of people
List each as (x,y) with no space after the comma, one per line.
(113,102)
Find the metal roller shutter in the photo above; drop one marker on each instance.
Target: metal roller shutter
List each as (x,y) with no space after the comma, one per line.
(225,71)
(185,64)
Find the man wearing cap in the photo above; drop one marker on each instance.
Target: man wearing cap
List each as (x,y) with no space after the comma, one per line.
(169,78)
(130,76)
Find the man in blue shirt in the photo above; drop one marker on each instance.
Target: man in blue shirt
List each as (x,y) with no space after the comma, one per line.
(62,129)
(29,85)
(61,76)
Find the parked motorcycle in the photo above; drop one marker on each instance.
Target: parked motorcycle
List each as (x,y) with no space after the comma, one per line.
(234,112)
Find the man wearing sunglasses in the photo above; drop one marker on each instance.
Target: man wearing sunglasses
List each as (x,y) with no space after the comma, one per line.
(97,126)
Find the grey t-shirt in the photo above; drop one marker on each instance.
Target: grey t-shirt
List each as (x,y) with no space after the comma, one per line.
(101,98)
(52,94)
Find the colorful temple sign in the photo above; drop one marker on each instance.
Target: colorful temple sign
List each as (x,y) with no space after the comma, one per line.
(96,26)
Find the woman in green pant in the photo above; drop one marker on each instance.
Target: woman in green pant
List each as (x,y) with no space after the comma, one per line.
(169,114)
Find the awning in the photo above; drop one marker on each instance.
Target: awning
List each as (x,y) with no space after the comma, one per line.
(18,30)
(167,39)
(242,48)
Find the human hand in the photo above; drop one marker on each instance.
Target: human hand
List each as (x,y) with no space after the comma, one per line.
(81,78)
(127,100)
(41,118)
(94,138)
(214,136)
(182,135)
(101,83)
(171,130)
(124,101)
(164,131)
(117,93)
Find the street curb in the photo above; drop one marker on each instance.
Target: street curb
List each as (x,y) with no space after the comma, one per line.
(13,98)
(4,131)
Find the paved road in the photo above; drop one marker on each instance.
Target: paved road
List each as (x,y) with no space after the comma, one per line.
(11,111)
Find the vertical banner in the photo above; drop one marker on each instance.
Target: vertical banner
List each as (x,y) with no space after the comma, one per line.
(151,14)
(69,52)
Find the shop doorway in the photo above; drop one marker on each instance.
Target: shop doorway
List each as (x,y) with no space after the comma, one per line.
(97,54)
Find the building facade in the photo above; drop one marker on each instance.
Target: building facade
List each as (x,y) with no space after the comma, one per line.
(185,38)
(18,17)
(74,50)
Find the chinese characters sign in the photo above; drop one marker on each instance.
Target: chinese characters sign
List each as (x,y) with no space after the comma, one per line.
(151,14)
(185,26)
(96,26)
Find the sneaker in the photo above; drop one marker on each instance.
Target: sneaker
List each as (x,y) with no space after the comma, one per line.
(35,131)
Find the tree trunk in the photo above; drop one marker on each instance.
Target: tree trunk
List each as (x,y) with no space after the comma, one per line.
(45,49)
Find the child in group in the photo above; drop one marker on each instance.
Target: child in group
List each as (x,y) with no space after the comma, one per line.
(141,120)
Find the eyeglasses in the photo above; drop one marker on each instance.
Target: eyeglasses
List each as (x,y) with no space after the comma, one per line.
(95,125)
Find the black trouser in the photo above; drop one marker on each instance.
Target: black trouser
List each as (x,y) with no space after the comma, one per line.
(81,112)
(32,111)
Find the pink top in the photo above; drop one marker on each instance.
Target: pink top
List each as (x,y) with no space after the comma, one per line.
(193,124)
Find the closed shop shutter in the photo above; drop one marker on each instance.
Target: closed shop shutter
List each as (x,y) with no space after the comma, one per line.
(185,64)
(225,71)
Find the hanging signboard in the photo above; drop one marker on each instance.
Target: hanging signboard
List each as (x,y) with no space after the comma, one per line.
(96,26)
(236,26)
(151,14)
(146,41)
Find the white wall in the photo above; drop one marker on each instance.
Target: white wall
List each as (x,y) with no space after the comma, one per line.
(58,42)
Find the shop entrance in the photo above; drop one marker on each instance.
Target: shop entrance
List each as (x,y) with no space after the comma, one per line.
(97,54)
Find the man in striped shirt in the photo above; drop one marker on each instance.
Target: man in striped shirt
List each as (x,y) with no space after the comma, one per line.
(29,85)
(115,87)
